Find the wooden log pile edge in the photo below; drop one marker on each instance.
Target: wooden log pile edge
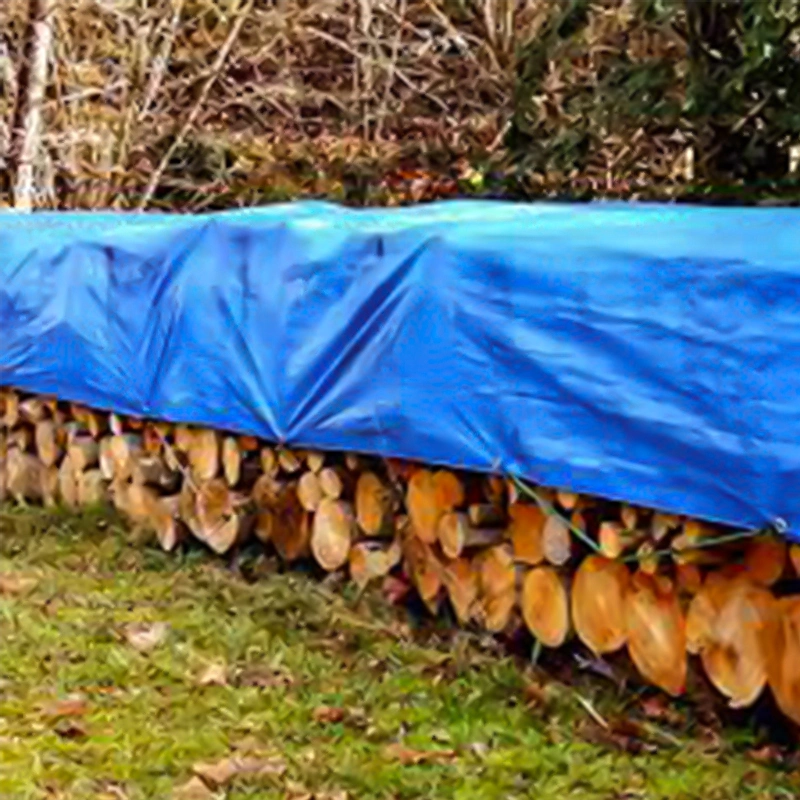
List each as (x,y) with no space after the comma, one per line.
(672,591)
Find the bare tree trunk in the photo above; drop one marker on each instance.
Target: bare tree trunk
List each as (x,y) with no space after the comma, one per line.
(32,84)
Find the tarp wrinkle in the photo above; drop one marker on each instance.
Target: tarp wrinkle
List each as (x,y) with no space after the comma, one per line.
(643,353)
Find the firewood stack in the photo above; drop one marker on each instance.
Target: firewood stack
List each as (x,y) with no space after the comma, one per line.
(566,566)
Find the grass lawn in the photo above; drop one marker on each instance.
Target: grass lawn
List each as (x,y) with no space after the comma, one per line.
(123,671)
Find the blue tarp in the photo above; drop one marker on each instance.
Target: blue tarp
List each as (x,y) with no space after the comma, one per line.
(647,353)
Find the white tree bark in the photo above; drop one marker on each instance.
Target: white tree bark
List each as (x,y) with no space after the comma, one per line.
(30,136)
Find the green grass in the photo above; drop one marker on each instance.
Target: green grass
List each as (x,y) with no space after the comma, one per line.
(292,646)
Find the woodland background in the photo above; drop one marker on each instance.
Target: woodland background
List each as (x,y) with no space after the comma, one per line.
(208,104)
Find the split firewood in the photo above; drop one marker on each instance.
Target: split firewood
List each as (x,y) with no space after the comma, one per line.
(91,488)
(448,490)
(371,559)
(11,415)
(48,444)
(336,483)
(34,409)
(351,461)
(496,612)
(123,452)
(689,579)
(165,520)
(231,461)
(497,586)
(269,462)
(794,558)
(105,458)
(88,420)
(267,492)
(315,461)
(375,504)
(781,650)
(423,506)
(732,654)
(289,461)
(25,476)
(765,559)
(656,632)
(292,527)
(629,516)
(545,605)
(456,534)
(424,570)
(21,438)
(615,540)
(461,583)
(527,523)
(309,491)
(332,533)
(598,604)
(567,500)
(84,452)
(68,482)
(204,455)
(183,436)
(152,441)
(49,478)
(212,516)
(556,541)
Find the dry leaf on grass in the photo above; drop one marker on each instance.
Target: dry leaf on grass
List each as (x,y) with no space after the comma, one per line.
(193,789)
(264,678)
(70,729)
(409,757)
(214,675)
(71,707)
(222,772)
(13,584)
(147,637)
(329,715)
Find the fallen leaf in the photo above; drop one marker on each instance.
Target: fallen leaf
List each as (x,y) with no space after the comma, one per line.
(70,729)
(214,675)
(145,638)
(409,757)
(222,772)
(193,789)
(329,715)
(264,678)
(71,707)
(16,584)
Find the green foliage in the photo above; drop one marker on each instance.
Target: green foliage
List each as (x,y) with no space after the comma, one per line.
(720,76)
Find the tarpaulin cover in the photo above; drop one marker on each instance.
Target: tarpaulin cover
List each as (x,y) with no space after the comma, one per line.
(647,353)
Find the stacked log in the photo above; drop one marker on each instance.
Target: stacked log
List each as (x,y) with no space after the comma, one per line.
(672,592)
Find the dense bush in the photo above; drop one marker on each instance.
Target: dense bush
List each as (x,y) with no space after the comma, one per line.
(369,101)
